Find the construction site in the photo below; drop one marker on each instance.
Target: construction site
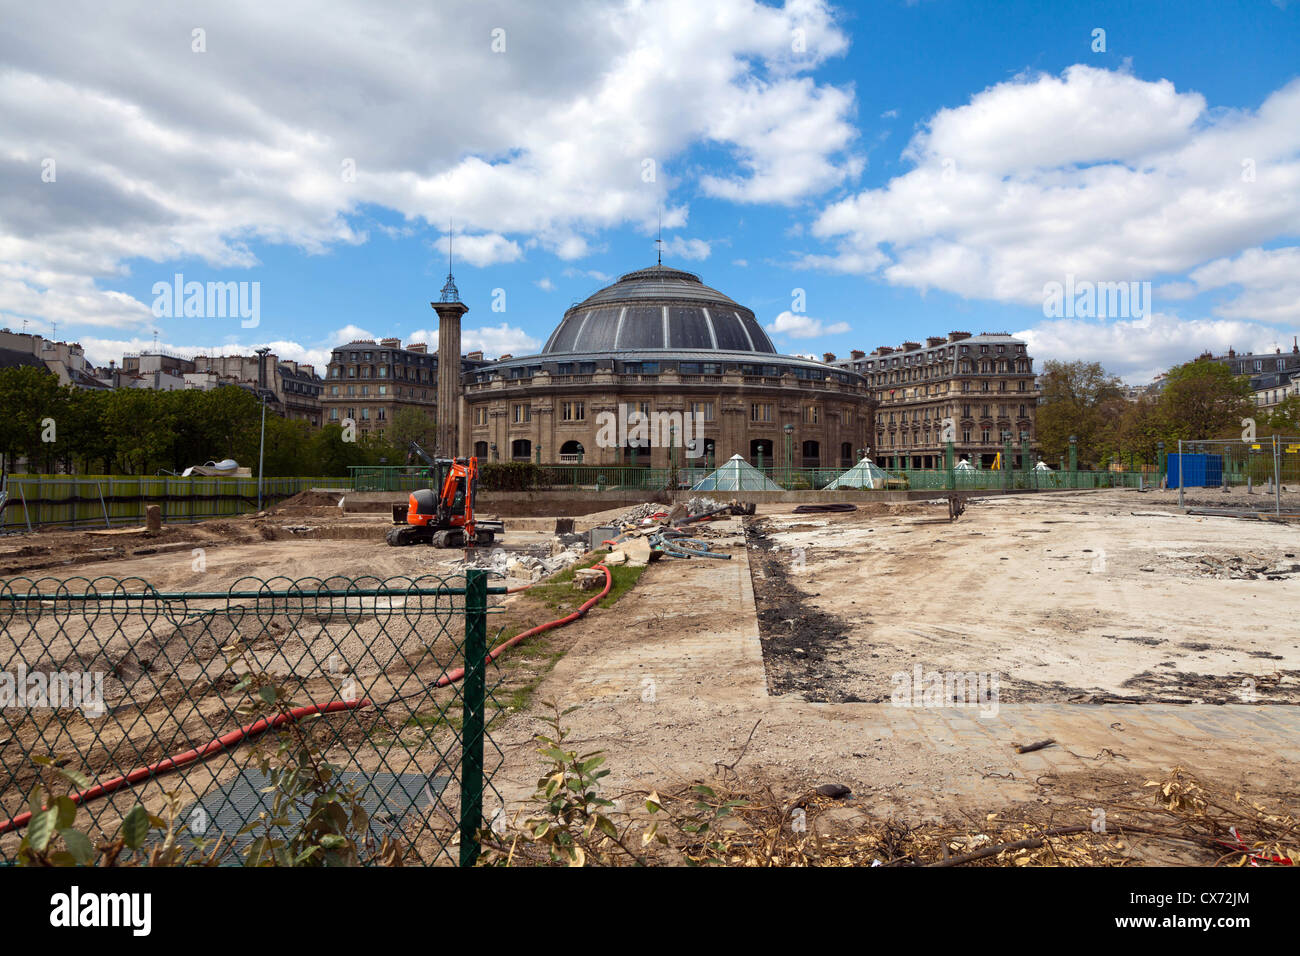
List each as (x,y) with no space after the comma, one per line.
(862,676)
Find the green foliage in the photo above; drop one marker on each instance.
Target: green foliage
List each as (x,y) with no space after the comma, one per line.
(509,475)
(409,425)
(334,824)
(700,824)
(570,824)
(1284,418)
(52,837)
(1203,399)
(28,395)
(1079,399)
(141,431)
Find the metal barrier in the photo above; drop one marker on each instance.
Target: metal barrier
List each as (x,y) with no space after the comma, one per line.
(1251,475)
(76,501)
(623,477)
(148,693)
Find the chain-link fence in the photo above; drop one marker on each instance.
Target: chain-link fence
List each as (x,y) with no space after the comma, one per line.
(1253,476)
(234,701)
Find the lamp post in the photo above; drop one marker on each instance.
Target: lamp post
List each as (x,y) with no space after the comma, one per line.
(789,453)
(261,444)
(494,451)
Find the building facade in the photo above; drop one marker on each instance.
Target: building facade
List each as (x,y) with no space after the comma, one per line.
(1274,376)
(653,347)
(975,390)
(291,389)
(369,382)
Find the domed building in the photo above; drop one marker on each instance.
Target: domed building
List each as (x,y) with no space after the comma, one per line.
(658,345)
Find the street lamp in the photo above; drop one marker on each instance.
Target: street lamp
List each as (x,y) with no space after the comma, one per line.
(261,445)
(789,453)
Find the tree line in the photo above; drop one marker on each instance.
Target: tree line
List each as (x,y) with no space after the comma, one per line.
(1200,400)
(61,429)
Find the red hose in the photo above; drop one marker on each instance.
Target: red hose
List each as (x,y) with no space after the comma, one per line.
(198,753)
(266,723)
(459,672)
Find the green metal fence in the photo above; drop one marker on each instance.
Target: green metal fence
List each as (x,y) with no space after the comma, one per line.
(106,500)
(622,477)
(150,693)
(1015,479)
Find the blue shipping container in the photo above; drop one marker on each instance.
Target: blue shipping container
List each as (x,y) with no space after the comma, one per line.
(1201,471)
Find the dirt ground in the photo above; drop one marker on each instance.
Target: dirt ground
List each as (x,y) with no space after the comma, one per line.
(1136,638)
(1085,598)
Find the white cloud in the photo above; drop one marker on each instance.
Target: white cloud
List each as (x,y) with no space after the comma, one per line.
(571,273)
(1269,280)
(165,154)
(545,284)
(1137,349)
(349,333)
(678,247)
(800,326)
(503,339)
(1095,174)
(482,250)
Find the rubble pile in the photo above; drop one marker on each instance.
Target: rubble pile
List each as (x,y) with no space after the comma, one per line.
(649,532)
(527,567)
(1249,567)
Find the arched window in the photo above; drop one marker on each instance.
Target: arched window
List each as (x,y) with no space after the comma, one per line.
(571,452)
(761,448)
(812,454)
(521,449)
(480,449)
(846,454)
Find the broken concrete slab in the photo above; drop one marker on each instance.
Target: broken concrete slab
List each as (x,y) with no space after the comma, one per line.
(637,551)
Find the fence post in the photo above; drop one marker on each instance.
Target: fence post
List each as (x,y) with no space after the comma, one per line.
(473,694)
(1277,475)
(1182,470)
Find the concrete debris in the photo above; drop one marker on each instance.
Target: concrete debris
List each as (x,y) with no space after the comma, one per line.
(637,551)
(588,579)
(527,567)
(1249,567)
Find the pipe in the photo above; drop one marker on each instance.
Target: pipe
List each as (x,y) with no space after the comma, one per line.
(452,676)
(267,723)
(198,753)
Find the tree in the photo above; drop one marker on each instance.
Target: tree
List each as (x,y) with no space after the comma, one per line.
(1075,396)
(408,425)
(1284,419)
(332,454)
(1202,400)
(33,403)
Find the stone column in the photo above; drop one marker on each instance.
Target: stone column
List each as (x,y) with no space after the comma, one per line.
(447,444)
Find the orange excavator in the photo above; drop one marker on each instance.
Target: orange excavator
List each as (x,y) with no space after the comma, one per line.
(443,516)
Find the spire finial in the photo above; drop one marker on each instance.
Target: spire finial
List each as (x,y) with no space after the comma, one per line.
(659,243)
(449,291)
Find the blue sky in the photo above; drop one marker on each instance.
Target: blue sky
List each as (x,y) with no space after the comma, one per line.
(913,167)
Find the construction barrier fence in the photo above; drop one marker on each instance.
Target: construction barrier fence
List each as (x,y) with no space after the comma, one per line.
(1262,468)
(109,500)
(339,721)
